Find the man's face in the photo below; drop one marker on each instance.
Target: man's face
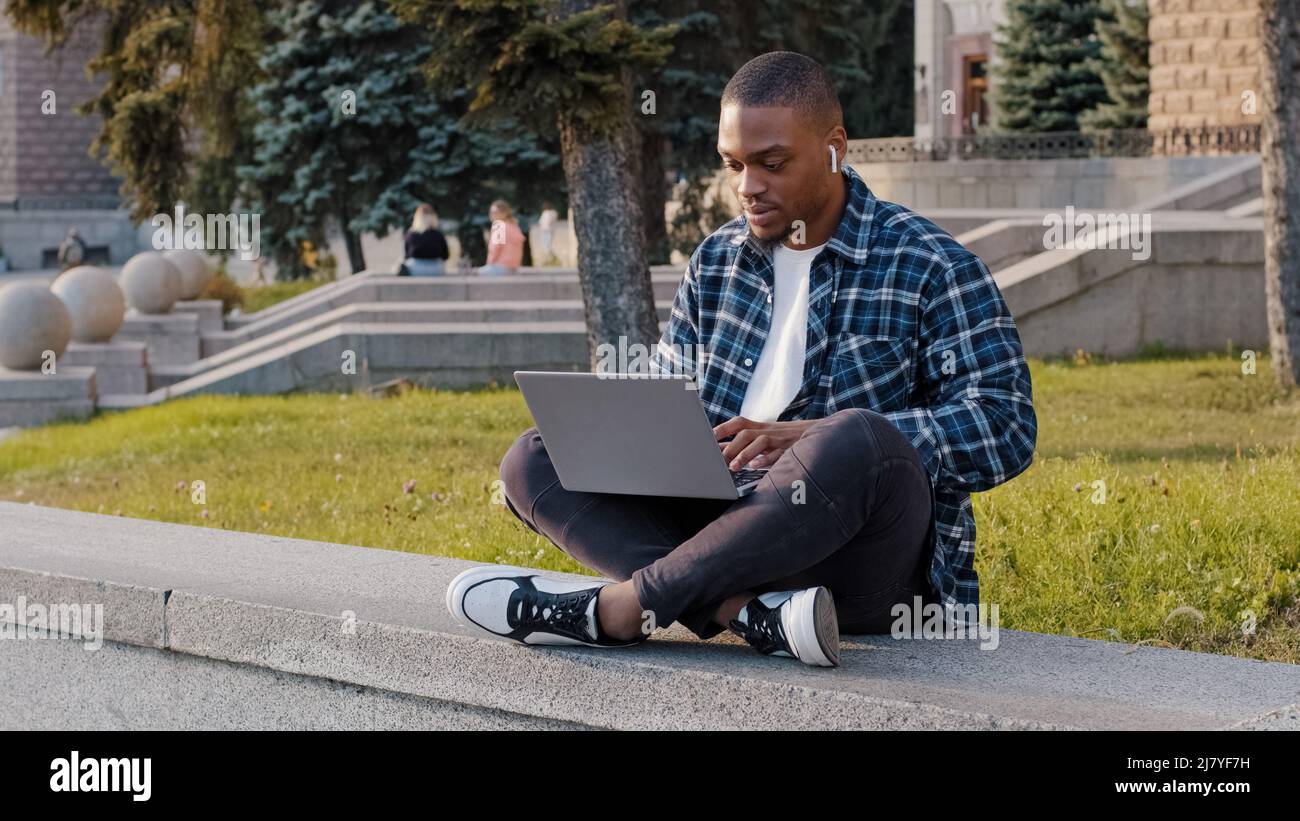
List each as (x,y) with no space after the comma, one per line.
(777,165)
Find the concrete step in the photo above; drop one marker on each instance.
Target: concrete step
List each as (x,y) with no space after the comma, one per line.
(432,354)
(1201,287)
(219,346)
(529,283)
(220,609)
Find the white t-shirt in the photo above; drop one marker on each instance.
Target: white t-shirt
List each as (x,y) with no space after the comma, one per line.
(779,371)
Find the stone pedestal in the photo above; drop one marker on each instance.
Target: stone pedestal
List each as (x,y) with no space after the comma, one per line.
(172,339)
(208,310)
(29,398)
(120,367)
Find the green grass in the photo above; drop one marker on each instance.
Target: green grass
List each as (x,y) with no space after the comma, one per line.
(258,297)
(1200,527)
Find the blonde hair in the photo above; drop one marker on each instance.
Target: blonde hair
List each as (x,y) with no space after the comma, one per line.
(504,207)
(425,218)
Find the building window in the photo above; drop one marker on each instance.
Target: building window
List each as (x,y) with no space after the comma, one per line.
(975,109)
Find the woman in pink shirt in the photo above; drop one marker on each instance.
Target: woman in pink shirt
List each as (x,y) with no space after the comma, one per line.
(505,243)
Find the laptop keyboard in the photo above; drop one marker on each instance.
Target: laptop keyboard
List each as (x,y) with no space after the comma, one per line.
(744,477)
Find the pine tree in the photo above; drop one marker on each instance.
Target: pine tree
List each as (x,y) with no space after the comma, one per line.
(1045,75)
(349,134)
(1123,66)
(339,116)
(566,67)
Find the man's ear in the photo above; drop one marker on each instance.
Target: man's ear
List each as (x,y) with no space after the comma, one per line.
(837,140)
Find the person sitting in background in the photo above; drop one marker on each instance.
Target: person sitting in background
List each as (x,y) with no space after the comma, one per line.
(72,251)
(426,247)
(505,243)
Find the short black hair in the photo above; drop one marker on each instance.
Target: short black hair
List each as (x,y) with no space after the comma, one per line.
(786,79)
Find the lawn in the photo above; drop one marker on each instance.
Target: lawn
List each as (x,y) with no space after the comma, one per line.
(1163,506)
(258,297)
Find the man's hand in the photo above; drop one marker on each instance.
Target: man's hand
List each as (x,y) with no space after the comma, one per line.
(761,443)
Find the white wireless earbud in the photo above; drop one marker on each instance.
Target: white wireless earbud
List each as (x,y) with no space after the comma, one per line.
(834,168)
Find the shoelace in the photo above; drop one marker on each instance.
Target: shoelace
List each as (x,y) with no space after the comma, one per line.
(764,630)
(565,614)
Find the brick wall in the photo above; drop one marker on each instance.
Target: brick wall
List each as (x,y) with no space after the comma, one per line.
(1204,57)
(43,156)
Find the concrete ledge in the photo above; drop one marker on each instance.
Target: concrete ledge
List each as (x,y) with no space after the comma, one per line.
(394,289)
(30,398)
(1202,287)
(233,611)
(208,311)
(120,367)
(171,338)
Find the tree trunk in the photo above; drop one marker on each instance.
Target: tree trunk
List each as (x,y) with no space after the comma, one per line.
(1280,150)
(616,290)
(352,240)
(653,196)
(601,171)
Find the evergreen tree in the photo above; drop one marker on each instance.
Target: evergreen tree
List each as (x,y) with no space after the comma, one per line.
(1046,75)
(566,67)
(1123,66)
(340,113)
(349,134)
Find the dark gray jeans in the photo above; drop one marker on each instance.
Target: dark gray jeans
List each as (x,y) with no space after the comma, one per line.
(848,506)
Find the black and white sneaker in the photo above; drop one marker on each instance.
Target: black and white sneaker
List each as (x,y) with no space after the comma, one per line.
(518,603)
(795,623)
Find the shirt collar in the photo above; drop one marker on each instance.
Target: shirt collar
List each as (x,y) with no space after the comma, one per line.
(852,237)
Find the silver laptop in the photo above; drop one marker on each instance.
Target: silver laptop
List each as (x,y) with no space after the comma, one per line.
(617,433)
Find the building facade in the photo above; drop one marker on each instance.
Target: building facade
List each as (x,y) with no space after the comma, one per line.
(49,182)
(954,50)
(1204,61)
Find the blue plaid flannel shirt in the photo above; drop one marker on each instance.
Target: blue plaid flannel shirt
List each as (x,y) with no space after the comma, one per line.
(902,320)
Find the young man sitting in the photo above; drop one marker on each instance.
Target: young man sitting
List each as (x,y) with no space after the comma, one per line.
(850,346)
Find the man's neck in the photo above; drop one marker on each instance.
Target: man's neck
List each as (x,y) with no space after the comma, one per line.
(823,227)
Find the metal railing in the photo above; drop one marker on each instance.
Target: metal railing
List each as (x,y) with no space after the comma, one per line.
(1236,139)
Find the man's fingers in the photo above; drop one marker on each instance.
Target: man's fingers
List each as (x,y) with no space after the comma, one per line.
(736,445)
(732,426)
(760,444)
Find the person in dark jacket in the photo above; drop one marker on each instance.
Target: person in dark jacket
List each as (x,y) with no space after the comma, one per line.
(426,247)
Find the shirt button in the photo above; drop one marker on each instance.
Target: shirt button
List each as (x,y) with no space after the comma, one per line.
(748,362)
(769,297)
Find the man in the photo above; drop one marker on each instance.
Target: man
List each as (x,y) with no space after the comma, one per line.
(849,345)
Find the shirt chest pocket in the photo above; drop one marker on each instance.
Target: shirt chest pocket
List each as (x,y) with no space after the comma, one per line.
(873,372)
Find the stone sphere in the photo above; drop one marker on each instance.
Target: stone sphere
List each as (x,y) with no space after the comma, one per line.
(151,283)
(194,271)
(95,301)
(32,321)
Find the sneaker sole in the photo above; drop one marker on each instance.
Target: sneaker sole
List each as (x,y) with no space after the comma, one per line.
(816,628)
